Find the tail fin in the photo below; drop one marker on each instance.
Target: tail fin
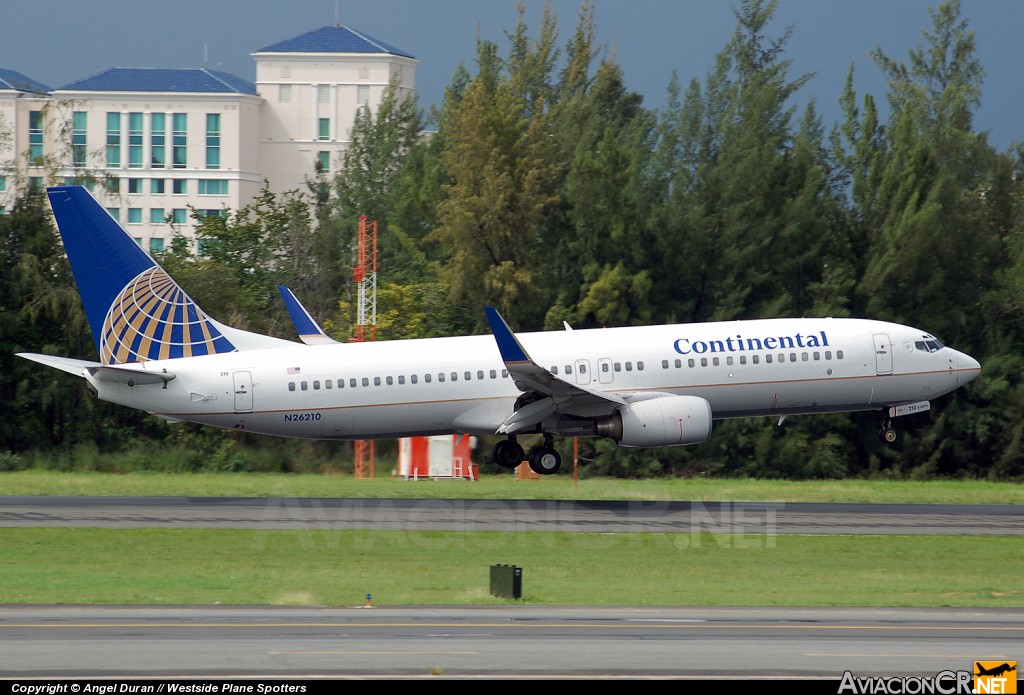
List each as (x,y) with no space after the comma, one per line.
(309,330)
(135,310)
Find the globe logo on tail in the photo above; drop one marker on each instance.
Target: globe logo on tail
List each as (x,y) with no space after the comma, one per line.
(153,319)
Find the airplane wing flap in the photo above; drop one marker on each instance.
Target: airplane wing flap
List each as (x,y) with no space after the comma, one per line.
(557,395)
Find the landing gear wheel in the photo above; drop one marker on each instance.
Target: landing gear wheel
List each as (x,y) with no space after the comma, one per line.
(544,460)
(508,453)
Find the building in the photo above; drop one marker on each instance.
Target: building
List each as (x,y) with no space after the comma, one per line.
(155,144)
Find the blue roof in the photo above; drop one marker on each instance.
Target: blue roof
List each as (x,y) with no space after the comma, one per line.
(162,80)
(12,79)
(336,39)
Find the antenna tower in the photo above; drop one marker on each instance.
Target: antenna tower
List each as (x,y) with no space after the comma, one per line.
(364,275)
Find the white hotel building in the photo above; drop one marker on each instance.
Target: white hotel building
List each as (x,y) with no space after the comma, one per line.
(168,140)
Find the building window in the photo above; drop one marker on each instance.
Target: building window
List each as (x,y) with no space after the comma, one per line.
(157,186)
(179,152)
(79,119)
(156,216)
(363,94)
(213,141)
(284,94)
(3,184)
(135,185)
(324,129)
(115,213)
(323,94)
(156,245)
(179,215)
(35,137)
(180,186)
(113,140)
(35,183)
(134,215)
(323,161)
(135,140)
(213,187)
(158,140)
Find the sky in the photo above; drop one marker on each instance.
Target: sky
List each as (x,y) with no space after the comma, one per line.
(59,41)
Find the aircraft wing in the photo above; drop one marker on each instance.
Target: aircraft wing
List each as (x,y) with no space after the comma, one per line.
(554,394)
(309,330)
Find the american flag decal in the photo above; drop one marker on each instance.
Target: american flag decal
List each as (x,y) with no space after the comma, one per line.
(294,370)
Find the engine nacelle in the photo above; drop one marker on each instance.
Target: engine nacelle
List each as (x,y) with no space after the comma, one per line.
(662,421)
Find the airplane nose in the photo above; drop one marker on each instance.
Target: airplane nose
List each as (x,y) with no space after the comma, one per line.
(969,368)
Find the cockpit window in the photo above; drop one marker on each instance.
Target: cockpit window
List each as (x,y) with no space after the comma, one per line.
(929,345)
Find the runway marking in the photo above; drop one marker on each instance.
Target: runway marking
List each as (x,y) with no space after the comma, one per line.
(526,623)
(349,652)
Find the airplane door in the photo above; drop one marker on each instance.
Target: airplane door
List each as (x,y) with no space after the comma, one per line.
(883,355)
(243,392)
(582,372)
(604,370)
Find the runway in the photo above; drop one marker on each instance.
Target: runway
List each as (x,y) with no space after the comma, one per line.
(507,642)
(324,514)
(500,642)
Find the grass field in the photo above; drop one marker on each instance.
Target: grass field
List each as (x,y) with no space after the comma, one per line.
(200,566)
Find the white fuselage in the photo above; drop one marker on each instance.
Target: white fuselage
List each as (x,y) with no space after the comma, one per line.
(459,385)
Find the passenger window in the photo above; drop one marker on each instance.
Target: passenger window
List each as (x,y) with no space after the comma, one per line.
(352,383)
(440,376)
(782,357)
(629,366)
(304,386)
(328,384)
(390,381)
(792,357)
(828,354)
(817,355)
(455,376)
(679,364)
(480,374)
(401,379)
(376,381)
(664,364)
(691,363)
(291,385)
(366,381)
(554,370)
(504,374)
(703,361)
(618,367)
(728,360)
(316,385)
(639,366)
(494,374)
(839,354)
(414,379)
(341,383)
(803,356)
(714,361)
(756,359)
(568,369)
(583,369)
(468,376)
(426,378)
(767,359)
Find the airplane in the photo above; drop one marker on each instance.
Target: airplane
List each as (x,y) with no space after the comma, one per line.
(641,386)
(996,670)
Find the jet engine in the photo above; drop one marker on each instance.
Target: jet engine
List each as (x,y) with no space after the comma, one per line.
(662,421)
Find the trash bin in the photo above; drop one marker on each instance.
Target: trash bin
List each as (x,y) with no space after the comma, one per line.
(506,581)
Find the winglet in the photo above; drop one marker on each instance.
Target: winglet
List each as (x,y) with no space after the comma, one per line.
(512,352)
(309,330)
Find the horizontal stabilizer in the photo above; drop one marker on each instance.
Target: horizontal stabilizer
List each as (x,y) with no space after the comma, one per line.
(130,375)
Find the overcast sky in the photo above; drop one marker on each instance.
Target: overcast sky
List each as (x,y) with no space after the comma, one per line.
(59,41)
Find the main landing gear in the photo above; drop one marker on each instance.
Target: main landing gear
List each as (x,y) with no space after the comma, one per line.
(543,459)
